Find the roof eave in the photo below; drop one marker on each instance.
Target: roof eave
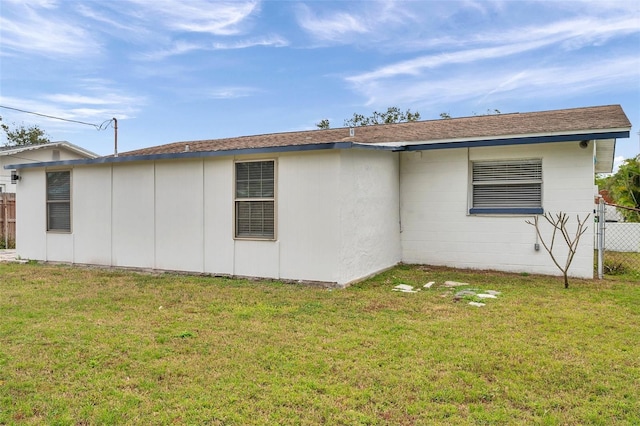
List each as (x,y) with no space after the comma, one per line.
(64,144)
(520,140)
(403,146)
(185,155)
(605,155)
(511,139)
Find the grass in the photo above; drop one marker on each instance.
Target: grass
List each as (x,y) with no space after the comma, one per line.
(622,265)
(81,346)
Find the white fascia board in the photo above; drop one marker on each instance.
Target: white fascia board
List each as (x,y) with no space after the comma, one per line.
(62,144)
(77,149)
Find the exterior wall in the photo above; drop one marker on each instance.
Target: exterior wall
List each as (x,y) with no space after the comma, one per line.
(31,240)
(308,216)
(133,215)
(178,215)
(437,229)
(30,156)
(370,213)
(337,214)
(91,221)
(219,245)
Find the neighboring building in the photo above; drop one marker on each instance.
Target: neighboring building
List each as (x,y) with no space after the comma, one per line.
(333,205)
(52,151)
(611,211)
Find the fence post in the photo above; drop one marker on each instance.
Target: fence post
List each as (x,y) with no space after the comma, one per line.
(6,225)
(5,222)
(601,236)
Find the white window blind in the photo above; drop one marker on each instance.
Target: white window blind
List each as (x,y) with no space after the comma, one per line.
(59,201)
(507,186)
(255,199)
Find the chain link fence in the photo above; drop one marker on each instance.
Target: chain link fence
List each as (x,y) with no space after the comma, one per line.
(621,243)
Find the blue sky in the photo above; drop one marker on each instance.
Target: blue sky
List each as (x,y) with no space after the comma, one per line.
(193,69)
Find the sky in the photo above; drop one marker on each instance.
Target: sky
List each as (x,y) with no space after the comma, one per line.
(186,70)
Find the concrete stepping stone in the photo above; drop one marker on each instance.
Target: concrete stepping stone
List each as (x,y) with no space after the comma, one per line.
(405,288)
(486,296)
(455,284)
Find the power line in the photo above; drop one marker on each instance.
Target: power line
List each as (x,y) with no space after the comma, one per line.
(98,127)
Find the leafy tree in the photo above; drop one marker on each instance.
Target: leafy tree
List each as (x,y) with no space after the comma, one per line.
(446,115)
(323,124)
(624,188)
(392,115)
(489,112)
(24,135)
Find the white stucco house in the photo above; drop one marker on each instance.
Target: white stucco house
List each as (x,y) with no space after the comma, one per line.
(52,151)
(331,206)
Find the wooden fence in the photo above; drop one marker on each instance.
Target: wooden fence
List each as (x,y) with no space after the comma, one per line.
(7,220)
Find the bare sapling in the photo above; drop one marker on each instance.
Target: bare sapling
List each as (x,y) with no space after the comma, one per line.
(559,224)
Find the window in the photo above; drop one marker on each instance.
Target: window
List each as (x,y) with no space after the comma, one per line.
(59,201)
(507,187)
(255,199)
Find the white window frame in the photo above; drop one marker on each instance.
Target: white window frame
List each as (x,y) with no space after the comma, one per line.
(50,203)
(509,178)
(239,200)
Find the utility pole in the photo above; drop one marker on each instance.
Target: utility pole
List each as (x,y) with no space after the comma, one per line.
(115,137)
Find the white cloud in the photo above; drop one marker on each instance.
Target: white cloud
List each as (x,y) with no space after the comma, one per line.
(231,92)
(177,48)
(25,28)
(183,47)
(572,34)
(94,102)
(200,16)
(106,98)
(474,85)
(415,66)
(617,162)
(167,28)
(121,26)
(334,27)
(66,29)
(272,41)
(367,18)
(47,4)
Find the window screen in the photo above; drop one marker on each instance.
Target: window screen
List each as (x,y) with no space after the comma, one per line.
(507,186)
(59,201)
(255,199)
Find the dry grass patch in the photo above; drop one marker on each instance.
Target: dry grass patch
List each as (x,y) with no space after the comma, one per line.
(80,346)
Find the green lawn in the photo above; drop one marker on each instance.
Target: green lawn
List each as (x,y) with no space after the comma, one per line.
(622,265)
(81,346)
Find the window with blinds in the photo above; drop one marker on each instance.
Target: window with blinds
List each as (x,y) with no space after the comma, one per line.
(255,199)
(59,201)
(507,187)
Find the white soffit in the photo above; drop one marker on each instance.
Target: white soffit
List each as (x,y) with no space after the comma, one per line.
(605,151)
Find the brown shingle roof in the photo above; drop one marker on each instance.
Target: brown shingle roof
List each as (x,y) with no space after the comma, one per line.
(566,121)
